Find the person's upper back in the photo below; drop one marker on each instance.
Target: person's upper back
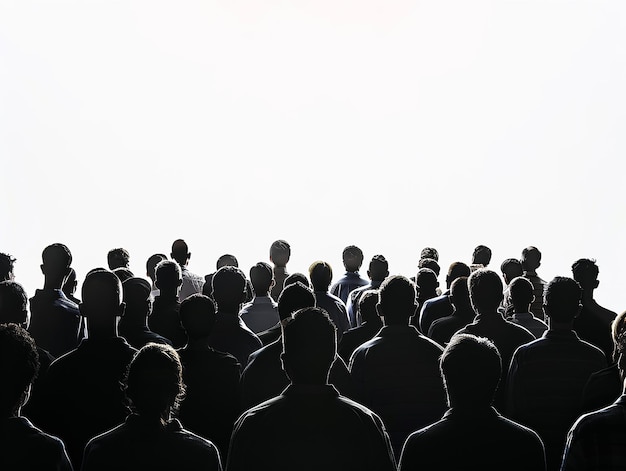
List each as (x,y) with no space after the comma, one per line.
(231,335)
(55,321)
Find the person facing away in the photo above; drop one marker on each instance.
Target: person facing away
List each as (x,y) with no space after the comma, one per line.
(521,297)
(133,325)
(396,373)
(321,275)
(164,319)
(429,252)
(280,252)
(427,286)
(151,437)
(192,283)
(22,445)
(151,265)
(55,320)
(511,268)
(442,330)
(593,324)
(69,287)
(485,288)
(309,426)
(472,434)
(262,312)
(212,393)
(480,258)
(118,258)
(352,260)
(377,272)
(7,266)
(226,260)
(531,260)
(82,391)
(229,333)
(368,329)
(547,376)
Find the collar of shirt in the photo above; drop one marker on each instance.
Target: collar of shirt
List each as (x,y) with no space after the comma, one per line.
(523,316)
(313,389)
(263,300)
(621,401)
(474,411)
(560,335)
(392,330)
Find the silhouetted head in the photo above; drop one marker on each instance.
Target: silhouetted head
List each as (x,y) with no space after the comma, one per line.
(309,346)
(485,287)
(457,270)
(511,268)
(7,264)
(229,289)
(321,275)
(123,274)
(57,259)
(471,368)
(169,277)
(585,272)
(293,297)
(521,294)
(101,301)
(154,383)
(136,295)
(226,260)
(459,294)
(378,269)
(13,304)
(152,263)
(118,258)
(396,300)
(426,283)
(481,255)
(296,278)
(280,251)
(618,329)
(430,263)
(562,300)
(531,258)
(367,306)
(19,364)
(180,252)
(70,283)
(352,258)
(262,278)
(197,315)
(429,252)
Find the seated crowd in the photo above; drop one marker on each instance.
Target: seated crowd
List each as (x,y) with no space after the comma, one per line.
(293,372)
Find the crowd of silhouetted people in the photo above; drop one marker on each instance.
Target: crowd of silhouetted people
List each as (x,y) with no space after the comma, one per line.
(273,370)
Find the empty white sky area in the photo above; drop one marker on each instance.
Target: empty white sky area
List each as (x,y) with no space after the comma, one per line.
(392,125)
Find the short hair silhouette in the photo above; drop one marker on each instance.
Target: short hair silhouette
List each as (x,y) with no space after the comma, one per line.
(562,299)
(481,255)
(154,383)
(367,305)
(485,287)
(456,270)
(180,252)
(397,300)
(429,252)
(352,258)
(261,276)
(118,258)
(168,274)
(280,251)
(321,275)
(378,268)
(585,272)
(7,263)
(152,263)
(521,292)
(136,295)
(13,303)
(296,278)
(430,263)
(197,315)
(19,364)
(459,293)
(471,368)
(293,297)
(426,280)
(511,268)
(226,260)
(229,286)
(531,258)
(101,298)
(57,259)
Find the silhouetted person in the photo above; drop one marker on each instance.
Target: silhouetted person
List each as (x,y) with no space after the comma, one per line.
(429,263)
(151,265)
(377,272)
(226,260)
(321,275)
(55,320)
(521,297)
(82,388)
(442,330)
(485,288)
(295,278)
(547,376)
(264,377)
(22,445)
(429,252)
(593,324)
(531,260)
(7,264)
(212,394)
(480,257)
(133,325)
(280,252)
(370,326)
(118,258)
(69,287)
(309,426)
(151,438)
(439,307)
(427,285)
(164,319)
(511,268)
(352,260)
(472,434)
(230,334)
(192,283)
(396,373)
(123,274)
(262,312)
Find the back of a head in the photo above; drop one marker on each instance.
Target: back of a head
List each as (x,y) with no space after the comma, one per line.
(293,297)
(321,275)
(118,258)
(19,364)
(367,306)
(396,299)
(562,299)
(136,295)
(310,345)
(226,260)
(101,297)
(280,251)
(429,252)
(197,315)
(457,270)
(531,258)
(13,303)
(426,281)
(429,263)
(7,262)
(352,258)
(154,383)
(511,268)
(168,275)
(471,368)
(485,287)
(296,278)
(585,272)
(379,268)
(57,259)
(481,255)
(521,292)
(152,263)
(459,293)
(229,286)
(180,252)
(261,276)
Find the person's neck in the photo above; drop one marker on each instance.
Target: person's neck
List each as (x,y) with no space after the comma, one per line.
(228,309)
(587,296)
(520,309)
(561,326)
(52,284)
(488,313)
(102,332)
(198,344)
(168,295)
